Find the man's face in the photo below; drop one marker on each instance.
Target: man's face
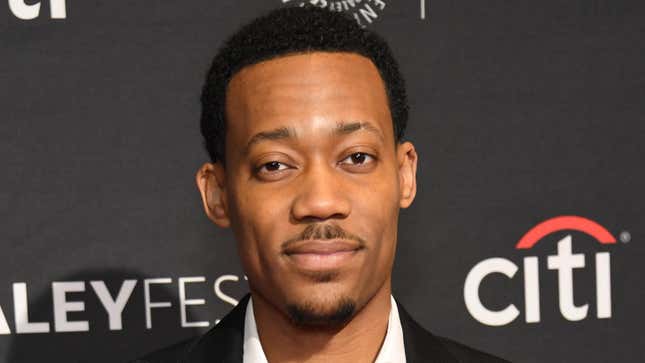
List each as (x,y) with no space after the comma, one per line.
(313,181)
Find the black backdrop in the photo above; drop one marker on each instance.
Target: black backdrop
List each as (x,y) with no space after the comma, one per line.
(522,111)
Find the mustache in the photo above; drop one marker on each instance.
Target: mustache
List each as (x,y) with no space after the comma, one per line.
(320,231)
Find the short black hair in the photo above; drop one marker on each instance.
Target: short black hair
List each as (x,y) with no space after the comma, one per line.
(293,30)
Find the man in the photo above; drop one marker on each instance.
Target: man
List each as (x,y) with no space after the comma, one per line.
(303,114)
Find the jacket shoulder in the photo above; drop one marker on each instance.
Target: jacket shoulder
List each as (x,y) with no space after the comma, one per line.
(222,343)
(171,354)
(466,354)
(423,346)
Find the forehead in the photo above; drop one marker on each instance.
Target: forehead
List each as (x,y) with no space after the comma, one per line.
(307,92)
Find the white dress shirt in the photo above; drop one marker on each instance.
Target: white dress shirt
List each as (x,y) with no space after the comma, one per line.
(392,350)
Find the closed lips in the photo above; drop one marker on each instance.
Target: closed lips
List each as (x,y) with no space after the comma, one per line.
(317,247)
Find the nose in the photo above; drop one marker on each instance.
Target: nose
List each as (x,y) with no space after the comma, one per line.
(321,196)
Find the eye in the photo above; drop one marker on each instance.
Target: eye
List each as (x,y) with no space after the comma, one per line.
(272,167)
(358,159)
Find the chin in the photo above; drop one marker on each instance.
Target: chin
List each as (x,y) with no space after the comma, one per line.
(322,314)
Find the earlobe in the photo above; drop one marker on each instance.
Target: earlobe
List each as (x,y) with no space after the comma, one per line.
(407,157)
(211,183)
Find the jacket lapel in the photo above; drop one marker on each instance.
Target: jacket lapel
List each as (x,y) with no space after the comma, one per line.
(225,342)
(420,345)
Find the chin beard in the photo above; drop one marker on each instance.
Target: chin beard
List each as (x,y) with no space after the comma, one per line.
(307,315)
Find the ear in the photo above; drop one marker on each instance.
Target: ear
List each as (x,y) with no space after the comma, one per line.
(407,159)
(211,183)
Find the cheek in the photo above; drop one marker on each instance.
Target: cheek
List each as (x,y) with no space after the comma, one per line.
(256,221)
(376,206)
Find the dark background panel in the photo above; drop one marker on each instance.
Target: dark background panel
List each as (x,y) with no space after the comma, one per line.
(520,112)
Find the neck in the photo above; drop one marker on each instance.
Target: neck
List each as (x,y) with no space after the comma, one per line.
(357,341)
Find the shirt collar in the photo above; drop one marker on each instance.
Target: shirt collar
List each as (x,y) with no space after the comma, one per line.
(392,350)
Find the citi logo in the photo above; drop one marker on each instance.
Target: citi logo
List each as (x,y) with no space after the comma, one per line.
(564,262)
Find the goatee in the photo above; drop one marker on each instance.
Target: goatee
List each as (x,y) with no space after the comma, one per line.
(307,315)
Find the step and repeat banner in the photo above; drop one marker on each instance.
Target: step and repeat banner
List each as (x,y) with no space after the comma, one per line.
(526,238)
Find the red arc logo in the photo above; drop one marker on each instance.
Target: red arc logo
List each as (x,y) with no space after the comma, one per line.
(533,236)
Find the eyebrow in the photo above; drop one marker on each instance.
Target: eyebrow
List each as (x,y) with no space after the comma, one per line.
(281,133)
(344,128)
(275,134)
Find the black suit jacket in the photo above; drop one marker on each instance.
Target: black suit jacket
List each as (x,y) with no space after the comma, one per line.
(224,344)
